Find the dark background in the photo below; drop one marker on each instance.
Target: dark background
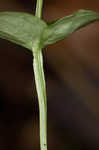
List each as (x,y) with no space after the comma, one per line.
(72,76)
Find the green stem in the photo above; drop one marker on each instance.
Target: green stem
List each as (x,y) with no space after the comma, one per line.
(41,91)
(40,86)
(39,8)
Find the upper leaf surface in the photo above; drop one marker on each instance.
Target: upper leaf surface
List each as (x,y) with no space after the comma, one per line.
(61,28)
(21,28)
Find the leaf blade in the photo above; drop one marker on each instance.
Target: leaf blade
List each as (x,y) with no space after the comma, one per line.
(62,28)
(21,28)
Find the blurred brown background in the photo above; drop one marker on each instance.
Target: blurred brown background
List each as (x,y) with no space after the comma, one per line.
(72,75)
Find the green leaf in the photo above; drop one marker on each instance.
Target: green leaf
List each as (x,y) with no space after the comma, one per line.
(21,28)
(62,28)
